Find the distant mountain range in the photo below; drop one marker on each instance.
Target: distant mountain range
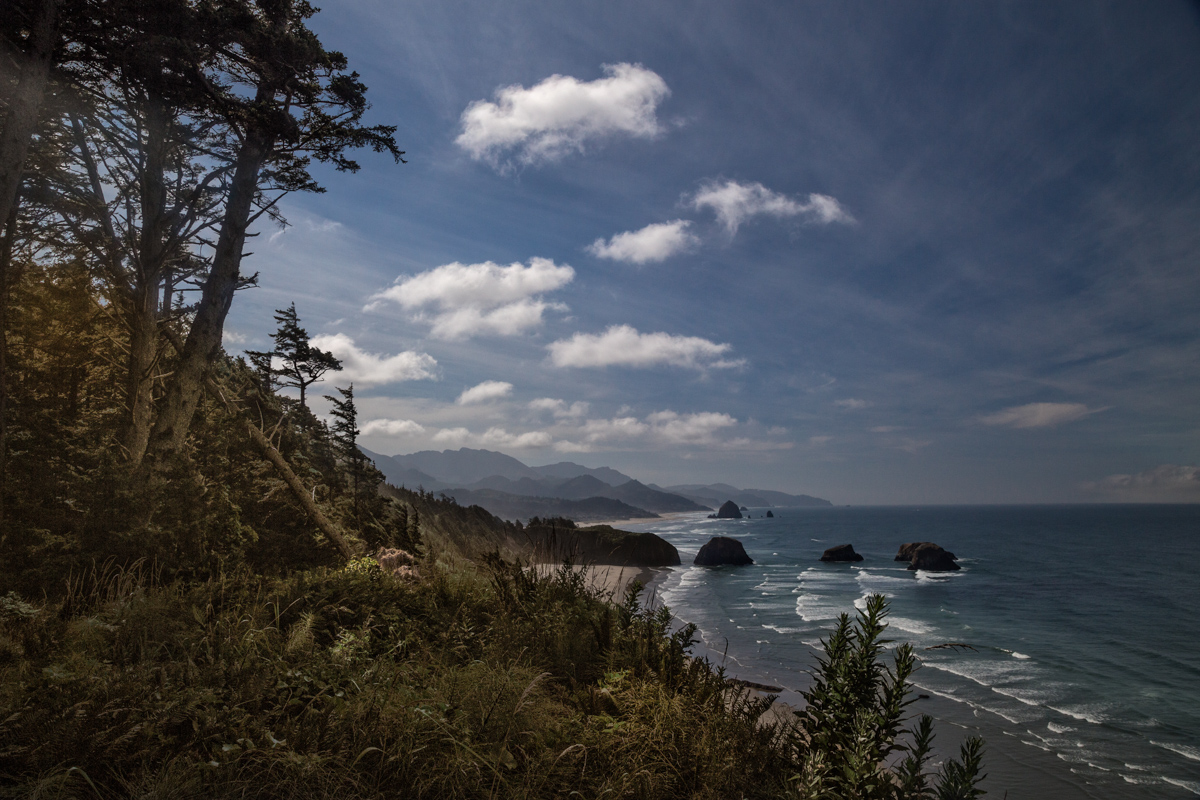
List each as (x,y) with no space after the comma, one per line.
(511,489)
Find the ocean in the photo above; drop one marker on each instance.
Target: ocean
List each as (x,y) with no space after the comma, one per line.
(1083,667)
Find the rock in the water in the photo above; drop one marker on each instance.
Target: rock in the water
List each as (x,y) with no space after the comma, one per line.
(769,515)
(722,550)
(933,558)
(843,552)
(729,510)
(907,550)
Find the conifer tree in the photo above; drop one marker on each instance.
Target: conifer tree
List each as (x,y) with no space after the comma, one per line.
(301,364)
(345,438)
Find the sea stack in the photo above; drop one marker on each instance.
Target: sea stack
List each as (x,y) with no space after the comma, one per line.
(843,552)
(907,550)
(722,550)
(729,510)
(932,558)
(770,515)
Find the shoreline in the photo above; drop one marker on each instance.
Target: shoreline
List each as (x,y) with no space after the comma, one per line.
(664,517)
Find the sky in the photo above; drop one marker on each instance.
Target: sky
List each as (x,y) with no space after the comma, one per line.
(900,253)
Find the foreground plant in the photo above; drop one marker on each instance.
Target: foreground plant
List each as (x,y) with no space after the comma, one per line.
(850,734)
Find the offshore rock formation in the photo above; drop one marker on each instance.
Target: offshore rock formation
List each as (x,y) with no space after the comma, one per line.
(843,552)
(933,558)
(722,550)
(907,550)
(729,510)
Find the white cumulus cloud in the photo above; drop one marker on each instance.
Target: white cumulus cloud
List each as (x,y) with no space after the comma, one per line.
(700,428)
(560,114)
(623,345)
(483,392)
(735,202)
(559,408)
(656,242)
(475,299)
(493,437)
(392,427)
(363,368)
(1038,415)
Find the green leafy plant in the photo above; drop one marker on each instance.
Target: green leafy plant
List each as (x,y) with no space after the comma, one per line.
(850,736)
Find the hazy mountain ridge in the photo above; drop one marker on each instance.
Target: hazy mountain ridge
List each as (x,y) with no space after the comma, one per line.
(511,489)
(717,493)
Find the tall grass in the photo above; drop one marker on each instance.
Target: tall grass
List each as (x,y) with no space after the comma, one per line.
(490,682)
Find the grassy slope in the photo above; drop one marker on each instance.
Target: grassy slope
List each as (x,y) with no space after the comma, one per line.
(472,682)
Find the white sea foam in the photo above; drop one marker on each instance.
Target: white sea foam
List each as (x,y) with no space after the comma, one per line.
(1138,780)
(1030,697)
(910,625)
(985,673)
(814,608)
(1020,656)
(874,578)
(1184,750)
(1191,786)
(1085,713)
(1055,728)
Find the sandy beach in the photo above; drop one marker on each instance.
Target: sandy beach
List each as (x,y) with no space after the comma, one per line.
(611,581)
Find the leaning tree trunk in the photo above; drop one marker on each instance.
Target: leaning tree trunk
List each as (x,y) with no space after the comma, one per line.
(203,344)
(286,472)
(25,100)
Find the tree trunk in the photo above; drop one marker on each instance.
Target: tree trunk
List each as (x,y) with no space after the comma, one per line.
(8,278)
(25,102)
(203,343)
(289,477)
(142,309)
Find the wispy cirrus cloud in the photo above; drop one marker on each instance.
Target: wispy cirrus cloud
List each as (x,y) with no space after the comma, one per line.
(625,346)
(484,392)
(561,114)
(368,369)
(652,243)
(734,203)
(478,299)
(1164,483)
(852,404)
(1038,415)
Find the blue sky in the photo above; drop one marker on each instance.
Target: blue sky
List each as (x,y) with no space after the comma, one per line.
(881,253)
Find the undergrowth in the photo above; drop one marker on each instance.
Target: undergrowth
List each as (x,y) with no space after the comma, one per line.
(492,681)
(349,683)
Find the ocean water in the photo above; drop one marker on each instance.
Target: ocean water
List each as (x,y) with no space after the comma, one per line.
(1084,656)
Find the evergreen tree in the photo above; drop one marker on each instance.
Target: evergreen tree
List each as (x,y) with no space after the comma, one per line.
(345,438)
(301,364)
